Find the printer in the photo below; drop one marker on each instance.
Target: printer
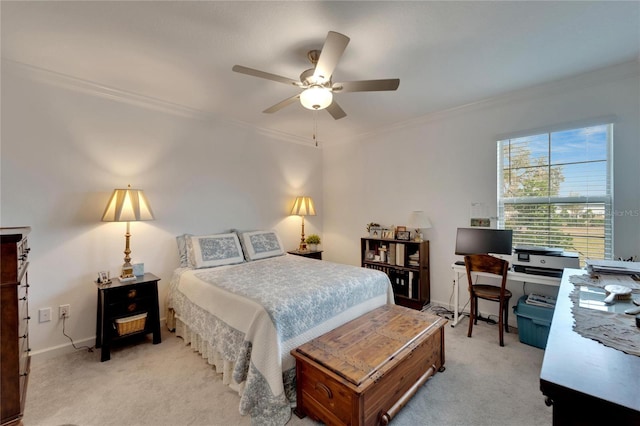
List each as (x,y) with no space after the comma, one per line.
(546,261)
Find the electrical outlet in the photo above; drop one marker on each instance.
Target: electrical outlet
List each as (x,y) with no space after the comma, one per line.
(44,315)
(64,311)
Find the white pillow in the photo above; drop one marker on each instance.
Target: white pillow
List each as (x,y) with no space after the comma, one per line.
(216,250)
(261,244)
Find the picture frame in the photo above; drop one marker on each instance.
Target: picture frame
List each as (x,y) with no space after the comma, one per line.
(103,277)
(403,235)
(375,232)
(387,234)
(401,228)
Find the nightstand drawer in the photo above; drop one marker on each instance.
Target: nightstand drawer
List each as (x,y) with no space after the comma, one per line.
(131,292)
(128,307)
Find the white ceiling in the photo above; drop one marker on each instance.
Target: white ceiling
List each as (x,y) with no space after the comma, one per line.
(446,54)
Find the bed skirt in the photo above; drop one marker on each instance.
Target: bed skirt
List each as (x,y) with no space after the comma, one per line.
(263,407)
(209,353)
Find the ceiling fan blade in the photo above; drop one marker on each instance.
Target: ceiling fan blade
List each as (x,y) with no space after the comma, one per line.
(366,85)
(267,75)
(331,53)
(336,112)
(282,104)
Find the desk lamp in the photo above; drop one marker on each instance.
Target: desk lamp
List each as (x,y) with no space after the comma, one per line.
(419,220)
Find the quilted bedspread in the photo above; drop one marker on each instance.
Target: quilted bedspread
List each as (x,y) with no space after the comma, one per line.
(253,314)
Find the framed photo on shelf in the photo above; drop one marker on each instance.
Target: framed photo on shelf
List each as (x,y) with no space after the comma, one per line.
(375,232)
(403,235)
(387,234)
(401,228)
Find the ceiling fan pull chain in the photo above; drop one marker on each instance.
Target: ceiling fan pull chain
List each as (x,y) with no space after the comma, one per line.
(315,127)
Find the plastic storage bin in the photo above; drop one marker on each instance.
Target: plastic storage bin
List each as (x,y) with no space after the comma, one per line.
(533,323)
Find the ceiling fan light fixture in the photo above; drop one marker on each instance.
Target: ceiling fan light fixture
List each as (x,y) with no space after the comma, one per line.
(316,97)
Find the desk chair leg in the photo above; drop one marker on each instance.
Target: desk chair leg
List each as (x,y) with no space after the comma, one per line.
(500,319)
(472,314)
(475,312)
(506,315)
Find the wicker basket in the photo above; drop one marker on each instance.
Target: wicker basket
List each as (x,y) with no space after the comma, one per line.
(130,325)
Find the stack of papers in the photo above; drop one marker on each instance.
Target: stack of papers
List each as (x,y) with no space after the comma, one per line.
(541,300)
(618,267)
(414,259)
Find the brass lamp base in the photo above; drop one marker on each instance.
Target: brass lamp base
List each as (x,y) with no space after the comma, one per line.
(127,273)
(303,245)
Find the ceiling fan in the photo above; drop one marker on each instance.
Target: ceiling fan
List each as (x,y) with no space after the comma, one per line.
(316,82)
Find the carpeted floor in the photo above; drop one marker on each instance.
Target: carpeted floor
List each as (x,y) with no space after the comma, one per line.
(169,384)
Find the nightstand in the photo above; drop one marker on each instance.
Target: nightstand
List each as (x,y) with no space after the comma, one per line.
(127,309)
(312,254)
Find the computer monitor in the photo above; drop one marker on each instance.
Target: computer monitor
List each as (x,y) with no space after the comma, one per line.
(484,241)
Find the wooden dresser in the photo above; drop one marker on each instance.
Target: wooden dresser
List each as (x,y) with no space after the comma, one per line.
(365,371)
(14,324)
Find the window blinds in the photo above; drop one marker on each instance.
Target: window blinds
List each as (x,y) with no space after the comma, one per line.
(555,190)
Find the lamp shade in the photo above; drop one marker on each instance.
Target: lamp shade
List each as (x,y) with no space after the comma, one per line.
(303,206)
(127,205)
(316,97)
(419,220)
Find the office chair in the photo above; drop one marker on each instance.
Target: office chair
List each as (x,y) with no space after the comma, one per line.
(492,265)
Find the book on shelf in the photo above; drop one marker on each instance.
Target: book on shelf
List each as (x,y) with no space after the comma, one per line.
(392,254)
(400,254)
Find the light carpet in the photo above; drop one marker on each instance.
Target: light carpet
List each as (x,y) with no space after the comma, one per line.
(169,384)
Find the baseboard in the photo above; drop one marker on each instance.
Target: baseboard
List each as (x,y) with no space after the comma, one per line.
(56,351)
(67,348)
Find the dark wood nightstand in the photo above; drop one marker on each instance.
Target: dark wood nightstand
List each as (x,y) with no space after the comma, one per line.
(312,254)
(121,310)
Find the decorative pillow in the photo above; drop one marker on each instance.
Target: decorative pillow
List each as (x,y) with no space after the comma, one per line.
(261,244)
(216,250)
(184,241)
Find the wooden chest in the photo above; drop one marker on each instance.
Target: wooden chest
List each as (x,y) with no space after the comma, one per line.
(365,371)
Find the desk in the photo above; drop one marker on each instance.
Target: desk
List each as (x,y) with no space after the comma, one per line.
(587,383)
(460,272)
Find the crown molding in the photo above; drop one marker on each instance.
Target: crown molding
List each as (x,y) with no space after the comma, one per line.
(612,73)
(621,71)
(92,88)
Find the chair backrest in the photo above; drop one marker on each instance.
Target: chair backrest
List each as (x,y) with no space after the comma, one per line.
(488,264)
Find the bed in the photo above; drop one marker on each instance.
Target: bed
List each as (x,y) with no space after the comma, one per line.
(245,315)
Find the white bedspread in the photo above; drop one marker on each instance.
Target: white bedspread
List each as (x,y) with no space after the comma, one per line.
(255,313)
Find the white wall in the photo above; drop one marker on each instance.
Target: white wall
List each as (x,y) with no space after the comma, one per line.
(67,145)
(444,162)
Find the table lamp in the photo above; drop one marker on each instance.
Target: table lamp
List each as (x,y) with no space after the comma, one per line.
(419,221)
(127,205)
(303,206)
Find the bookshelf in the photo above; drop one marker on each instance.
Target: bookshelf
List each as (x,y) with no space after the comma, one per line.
(407,265)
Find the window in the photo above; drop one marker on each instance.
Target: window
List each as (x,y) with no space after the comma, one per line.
(555,190)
